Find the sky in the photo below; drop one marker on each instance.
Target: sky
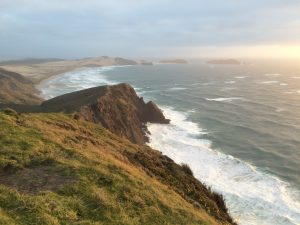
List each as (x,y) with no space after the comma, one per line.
(149,28)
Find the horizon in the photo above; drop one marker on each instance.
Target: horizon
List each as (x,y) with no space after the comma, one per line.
(140,29)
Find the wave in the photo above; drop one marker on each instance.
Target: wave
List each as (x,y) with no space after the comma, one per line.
(270,82)
(272,74)
(230,82)
(223,99)
(241,77)
(253,197)
(176,88)
(293,92)
(75,81)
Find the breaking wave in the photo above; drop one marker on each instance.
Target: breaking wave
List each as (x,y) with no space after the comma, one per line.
(252,197)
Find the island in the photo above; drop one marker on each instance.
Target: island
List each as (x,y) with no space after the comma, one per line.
(146,63)
(174,61)
(224,62)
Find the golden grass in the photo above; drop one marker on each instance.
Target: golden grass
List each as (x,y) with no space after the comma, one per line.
(106,187)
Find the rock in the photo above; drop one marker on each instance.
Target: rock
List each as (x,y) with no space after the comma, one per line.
(116,107)
(153,114)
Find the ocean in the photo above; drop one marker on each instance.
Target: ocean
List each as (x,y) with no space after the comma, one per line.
(236,126)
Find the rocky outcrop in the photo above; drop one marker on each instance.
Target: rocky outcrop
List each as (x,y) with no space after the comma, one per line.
(116,107)
(14,88)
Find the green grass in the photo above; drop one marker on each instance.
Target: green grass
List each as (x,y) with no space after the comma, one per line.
(105,186)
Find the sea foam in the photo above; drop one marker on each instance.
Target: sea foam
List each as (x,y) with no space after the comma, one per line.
(75,81)
(252,197)
(270,82)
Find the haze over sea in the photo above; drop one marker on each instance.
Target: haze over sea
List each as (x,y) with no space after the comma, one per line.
(238,127)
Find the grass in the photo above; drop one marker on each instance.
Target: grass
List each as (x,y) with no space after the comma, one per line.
(79,173)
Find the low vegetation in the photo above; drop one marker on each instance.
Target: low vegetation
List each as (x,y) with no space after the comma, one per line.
(58,170)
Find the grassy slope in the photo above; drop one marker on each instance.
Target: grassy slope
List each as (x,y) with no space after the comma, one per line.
(65,171)
(14,88)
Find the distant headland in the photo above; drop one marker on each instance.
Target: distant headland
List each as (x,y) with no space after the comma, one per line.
(174,61)
(224,62)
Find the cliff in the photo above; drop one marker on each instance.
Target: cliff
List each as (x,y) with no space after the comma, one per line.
(14,88)
(117,108)
(55,169)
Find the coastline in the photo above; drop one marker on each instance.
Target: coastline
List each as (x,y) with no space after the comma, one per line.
(37,72)
(44,80)
(237,193)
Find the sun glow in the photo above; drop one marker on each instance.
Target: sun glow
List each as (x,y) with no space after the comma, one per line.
(254,51)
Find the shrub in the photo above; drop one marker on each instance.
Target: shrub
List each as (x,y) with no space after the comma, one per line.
(186,168)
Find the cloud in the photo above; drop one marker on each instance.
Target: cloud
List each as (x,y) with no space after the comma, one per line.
(69,28)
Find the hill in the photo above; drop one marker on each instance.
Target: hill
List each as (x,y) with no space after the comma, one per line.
(14,88)
(55,169)
(40,69)
(29,61)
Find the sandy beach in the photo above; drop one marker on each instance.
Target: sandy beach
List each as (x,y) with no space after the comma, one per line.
(43,71)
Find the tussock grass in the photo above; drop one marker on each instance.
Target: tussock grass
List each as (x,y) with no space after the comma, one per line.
(110,180)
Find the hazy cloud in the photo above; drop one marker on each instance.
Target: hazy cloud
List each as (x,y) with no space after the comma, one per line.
(75,28)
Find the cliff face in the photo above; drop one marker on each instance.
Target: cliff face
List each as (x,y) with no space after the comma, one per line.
(14,88)
(117,108)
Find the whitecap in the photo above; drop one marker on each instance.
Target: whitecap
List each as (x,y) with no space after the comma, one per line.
(280,110)
(283,84)
(224,99)
(176,88)
(228,89)
(241,77)
(208,83)
(273,74)
(229,82)
(270,82)
(292,92)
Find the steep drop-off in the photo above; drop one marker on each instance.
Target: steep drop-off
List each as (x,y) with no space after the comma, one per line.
(116,107)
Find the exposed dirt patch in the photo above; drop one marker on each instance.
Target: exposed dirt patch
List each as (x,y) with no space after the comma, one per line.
(34,180)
